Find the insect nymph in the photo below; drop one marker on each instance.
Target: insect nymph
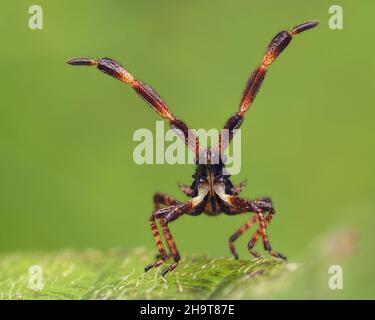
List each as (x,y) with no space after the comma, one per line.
(211,191)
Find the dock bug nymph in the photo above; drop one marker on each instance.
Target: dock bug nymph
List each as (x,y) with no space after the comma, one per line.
(212,191)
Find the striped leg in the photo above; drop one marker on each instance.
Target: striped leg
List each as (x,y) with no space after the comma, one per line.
(165,216)
(164,199)
(253,240)
(172,246)
(240,231)
(238,206)
(259,206)
(262,232)
(159,245)
(158,199)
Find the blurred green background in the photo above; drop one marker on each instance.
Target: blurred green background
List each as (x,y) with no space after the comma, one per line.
(67,175)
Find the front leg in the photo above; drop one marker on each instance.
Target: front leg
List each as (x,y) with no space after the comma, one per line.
(186,189)
(163,199)
(166,200)
(165,216)
(237,189)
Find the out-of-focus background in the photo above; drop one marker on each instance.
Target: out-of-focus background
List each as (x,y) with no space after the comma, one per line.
(67,175)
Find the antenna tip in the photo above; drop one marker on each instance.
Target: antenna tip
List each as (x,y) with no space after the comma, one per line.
(81,62)
(304,26)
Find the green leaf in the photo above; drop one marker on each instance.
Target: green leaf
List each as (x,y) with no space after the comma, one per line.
(118,274)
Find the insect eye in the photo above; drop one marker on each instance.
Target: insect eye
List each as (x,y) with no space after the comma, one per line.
(202,181)
(220,180)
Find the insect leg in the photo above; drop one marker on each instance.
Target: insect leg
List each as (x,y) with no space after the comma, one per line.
(239,232)
(172,246)
(164,199)
(259,206)
(165,216)
(253,240)
(186,189)
(238,206)
(237,189)
(263,222)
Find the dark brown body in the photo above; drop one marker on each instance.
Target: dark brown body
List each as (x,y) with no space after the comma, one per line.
(211,192)
(206,180)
